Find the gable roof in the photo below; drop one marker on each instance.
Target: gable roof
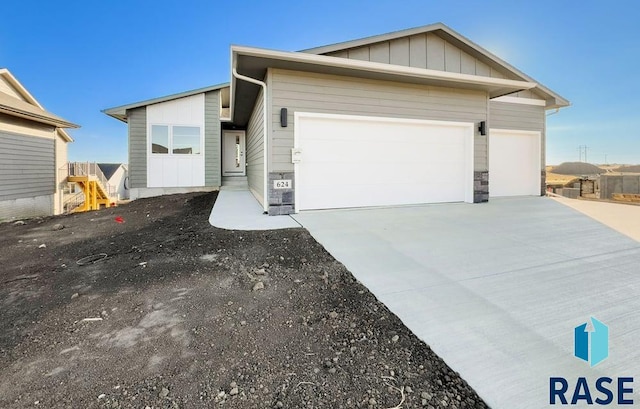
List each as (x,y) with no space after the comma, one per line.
(108,169)
(253,62)
(30,108)
(378,38)
(120,112)
(554,100)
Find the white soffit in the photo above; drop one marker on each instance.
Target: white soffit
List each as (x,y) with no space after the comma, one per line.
(524,101)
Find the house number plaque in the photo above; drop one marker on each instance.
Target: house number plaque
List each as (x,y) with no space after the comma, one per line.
(282,184)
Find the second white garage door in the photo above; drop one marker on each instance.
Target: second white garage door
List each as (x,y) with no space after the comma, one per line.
(357,161)
(514,163)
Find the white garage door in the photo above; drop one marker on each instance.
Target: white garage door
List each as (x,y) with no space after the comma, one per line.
(514,163)
(353,161)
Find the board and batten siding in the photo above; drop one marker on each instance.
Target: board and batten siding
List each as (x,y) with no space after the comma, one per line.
(519,117)
(170,170)
(426,50)
(310,92)
(212,137)
(255,149)
(137,147)
(27,164)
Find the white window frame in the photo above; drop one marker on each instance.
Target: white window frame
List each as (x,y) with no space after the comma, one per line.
(170,147)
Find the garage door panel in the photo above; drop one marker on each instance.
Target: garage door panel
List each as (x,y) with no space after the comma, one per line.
(352,162)
(514,163)
(334,175)
(364,195)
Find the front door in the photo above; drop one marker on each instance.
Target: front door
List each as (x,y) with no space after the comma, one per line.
(233,153)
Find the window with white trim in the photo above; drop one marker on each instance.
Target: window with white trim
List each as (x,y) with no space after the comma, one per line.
(159,139)
(176,140)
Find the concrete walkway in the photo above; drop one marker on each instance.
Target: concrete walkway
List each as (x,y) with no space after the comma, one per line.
(621,217)
(496,289)
(239,210)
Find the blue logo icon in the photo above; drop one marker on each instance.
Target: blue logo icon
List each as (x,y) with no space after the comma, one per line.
(593,346)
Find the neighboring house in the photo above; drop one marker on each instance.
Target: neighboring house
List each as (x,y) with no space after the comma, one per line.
(33,157)
(116,174)
(416,116)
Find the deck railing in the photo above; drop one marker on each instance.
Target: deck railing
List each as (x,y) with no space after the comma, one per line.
(91,169)
(72,201)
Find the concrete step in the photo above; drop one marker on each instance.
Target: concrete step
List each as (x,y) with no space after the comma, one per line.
(234,179)
(234,187)
(234,183)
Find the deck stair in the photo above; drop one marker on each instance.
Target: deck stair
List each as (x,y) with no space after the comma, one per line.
(97,191)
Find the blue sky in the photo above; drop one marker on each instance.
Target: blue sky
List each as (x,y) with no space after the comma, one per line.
(79,57)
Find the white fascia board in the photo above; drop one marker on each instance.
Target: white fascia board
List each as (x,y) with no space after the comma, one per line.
(119,112)
(381,68)
(19,87)
(64,135)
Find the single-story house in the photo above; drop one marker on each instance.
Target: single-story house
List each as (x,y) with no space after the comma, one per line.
(33,158)
(116,175)
(422,115)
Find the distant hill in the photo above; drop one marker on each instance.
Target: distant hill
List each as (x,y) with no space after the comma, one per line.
(629,168)
(577,168)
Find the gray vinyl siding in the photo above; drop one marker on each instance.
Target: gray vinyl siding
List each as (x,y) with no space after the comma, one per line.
(212,137)
(255,147)
(27,165)
(307,92)
(504,115)
(516,116)
(426,50)
(138,147)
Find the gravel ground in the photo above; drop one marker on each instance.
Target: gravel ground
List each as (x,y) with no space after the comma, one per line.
(179,314)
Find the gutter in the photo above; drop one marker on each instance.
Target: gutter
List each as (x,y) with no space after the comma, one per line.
(265,195)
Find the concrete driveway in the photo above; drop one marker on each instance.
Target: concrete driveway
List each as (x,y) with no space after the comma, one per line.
(496,289)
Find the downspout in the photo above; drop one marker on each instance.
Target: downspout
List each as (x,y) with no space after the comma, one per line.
(265,195)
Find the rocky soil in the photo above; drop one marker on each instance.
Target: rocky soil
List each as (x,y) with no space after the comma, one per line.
(148,306)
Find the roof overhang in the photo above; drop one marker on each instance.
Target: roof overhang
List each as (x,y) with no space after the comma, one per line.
(120,112)
(40,117)
(64,135)
(253,62)
(6,74)
(30,108)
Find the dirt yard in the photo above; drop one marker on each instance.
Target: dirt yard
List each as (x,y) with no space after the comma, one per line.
(177,314)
